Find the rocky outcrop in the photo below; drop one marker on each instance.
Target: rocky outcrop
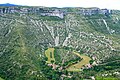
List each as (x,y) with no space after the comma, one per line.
(35,10)
(53,12)
(93,11)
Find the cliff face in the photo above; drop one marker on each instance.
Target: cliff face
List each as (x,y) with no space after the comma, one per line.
(52,11)
(24,38)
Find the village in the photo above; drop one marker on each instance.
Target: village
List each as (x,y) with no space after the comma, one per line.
(54,12)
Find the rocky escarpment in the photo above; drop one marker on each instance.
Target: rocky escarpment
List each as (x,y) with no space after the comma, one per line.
(53,12)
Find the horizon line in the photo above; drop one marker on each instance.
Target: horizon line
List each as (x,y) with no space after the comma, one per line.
(56,6)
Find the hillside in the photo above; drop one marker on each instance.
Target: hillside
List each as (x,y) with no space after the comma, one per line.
(26,37)
(8,4)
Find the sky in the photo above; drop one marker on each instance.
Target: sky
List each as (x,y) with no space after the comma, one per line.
(109,4)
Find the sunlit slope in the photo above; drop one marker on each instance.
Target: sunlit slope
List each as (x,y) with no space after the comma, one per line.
(24,39)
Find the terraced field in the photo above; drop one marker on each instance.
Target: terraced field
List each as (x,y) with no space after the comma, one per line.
(76,67)
(50,55)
